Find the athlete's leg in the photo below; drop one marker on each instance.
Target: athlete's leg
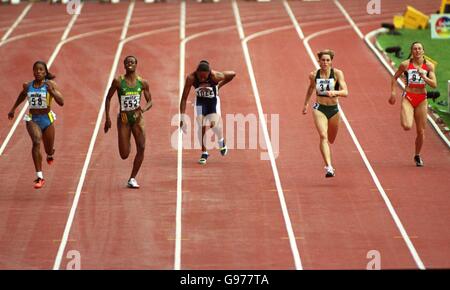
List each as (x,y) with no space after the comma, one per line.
(138,131)
(201,130)
(321,122)
(216,125)
(407,115)
(420,116)
(333,127)
(124,135)
(48,136)
(36,135)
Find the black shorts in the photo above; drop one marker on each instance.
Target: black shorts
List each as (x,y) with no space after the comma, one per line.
(206,106)
(328,111)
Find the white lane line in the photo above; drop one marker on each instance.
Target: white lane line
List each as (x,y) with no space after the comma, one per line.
(178,217)
(381,58)
(16,23)
(349,19)
(293,19)
(268,31)
(377,182)
(287,219)
(50,61)
(76,199)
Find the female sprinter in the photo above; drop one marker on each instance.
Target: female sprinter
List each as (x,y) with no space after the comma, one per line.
(207,83)
(418,73)
(329,84)
(39,121)
(130,120)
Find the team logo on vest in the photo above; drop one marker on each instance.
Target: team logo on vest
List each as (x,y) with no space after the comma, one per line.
(205,92)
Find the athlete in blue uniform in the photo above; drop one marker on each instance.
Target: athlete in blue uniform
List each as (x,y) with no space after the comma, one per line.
(40,92)
(207,83)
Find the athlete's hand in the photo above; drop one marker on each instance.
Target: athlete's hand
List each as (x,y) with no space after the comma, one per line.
(392,99)
(107,125)
(305,110)
(331,94)
(11,115)
(422,72)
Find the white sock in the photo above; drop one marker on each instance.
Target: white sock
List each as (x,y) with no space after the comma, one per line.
(221,142)
(205,152)
(40,175)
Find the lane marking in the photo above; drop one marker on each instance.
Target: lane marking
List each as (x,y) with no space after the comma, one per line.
(287,220)
(16,23)
(349,19)
(178,215)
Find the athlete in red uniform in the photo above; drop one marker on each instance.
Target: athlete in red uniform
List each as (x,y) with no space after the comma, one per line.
(418,73)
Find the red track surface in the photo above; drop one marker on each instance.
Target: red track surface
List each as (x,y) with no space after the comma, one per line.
(231,214)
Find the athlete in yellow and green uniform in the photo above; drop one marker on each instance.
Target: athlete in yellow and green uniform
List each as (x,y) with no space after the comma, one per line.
(129,88)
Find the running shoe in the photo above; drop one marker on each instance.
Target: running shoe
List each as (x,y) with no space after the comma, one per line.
(203,158)
(330,171)
(50,160)
(132,183)
(223,148)
(418,160)
(38,183)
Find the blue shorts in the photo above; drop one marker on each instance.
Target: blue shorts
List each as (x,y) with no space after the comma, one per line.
(43,121)
(206,106)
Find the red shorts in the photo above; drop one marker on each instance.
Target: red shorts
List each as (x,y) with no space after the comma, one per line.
(415,99)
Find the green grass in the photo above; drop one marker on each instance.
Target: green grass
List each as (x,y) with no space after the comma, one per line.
(437,49)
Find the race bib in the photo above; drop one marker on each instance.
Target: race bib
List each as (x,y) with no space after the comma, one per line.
(414,77)
(37,100)
(324,85)
(130,102)
(205,92)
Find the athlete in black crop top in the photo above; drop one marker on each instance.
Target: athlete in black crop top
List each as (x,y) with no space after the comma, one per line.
(329,84)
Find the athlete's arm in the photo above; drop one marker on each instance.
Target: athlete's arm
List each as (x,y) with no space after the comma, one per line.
(20,99)
(400,71)
(224,77)
(112,89)
(343,92)
(187,88)
(148,96)
(311,88)
(431,78)
(53,90)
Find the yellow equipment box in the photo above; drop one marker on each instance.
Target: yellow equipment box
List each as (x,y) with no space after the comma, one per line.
(399,21)
(414,19)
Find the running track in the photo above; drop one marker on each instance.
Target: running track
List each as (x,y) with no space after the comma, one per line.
(238,212)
